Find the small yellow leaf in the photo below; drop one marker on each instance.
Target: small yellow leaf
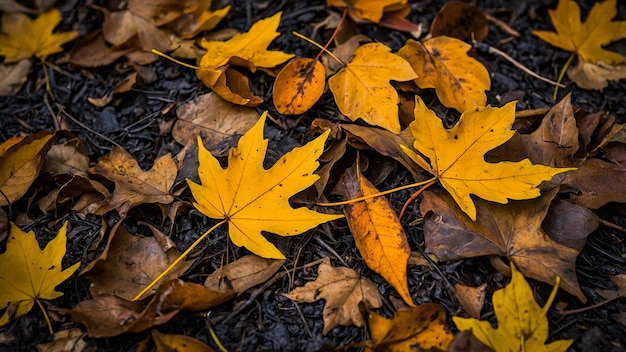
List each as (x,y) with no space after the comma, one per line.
(28,274)
(456,156)
(370,10)
(442,63)
(362,89)
(22,37)
(522,323)
(178,343)
(254,199)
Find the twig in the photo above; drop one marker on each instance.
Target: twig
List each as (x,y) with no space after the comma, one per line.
(584,309)
(505,27)
(611,225)
(89,129)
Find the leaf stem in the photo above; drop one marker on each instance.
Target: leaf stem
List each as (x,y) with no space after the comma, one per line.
(561,74)
(356,200)
(545,308)
(178,260)
(45,316)
(332,37)
(156,52)
(415,195)
(319,46)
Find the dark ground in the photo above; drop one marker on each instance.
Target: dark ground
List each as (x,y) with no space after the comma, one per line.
(271,321)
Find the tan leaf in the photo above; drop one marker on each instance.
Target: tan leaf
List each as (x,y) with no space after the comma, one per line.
(12,77)
(243,274)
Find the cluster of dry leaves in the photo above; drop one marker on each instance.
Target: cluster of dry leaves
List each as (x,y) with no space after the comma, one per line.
(515,186)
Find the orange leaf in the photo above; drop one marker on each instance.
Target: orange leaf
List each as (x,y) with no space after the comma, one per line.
(298,86)
(442,63)
(370,10)
(180,343)
(460,20)
(377,231)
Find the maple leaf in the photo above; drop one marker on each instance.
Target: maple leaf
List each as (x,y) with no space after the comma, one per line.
(22,37)
(362,89)
(442,63)
(370,10)
(457,156)
(421,328)
(586,39)
(29,274)
(522,323)
(344,290)
(253,199)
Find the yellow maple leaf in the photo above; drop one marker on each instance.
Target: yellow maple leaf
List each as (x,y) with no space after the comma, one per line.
(586,39)
(344,291)
(371,10)
(29,274)
(362,89)
(457,156)
(22,37)
(253,199)
(442,63)
(522,323)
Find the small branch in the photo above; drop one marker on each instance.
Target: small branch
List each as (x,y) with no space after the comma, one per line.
(355,200)
(584,309)
(415,195)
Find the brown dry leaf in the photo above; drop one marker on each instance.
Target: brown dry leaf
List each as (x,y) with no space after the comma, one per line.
(243,274)
(421,328)
(131,263)
(67,158)
(107,316)
(218,122)
(369,10)
(124,86)
(12,77)
(460,20)
(596,182)
(298,86)
(133,186)
(460,81)
(377,231)
(590,75)
(21,38)
(198,18)
(344,291)
(65,340)
(512,230)
(178,343)
(92,51)
(569,224)
(472,299)
(362,88)
(20,162)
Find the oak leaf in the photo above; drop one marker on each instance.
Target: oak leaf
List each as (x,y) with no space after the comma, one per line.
(457,156)
(377,231)
(421,328)
(253,199)
(586,38)
(344,291)
(522,323)
(442,63)
(370,10)
(21,37)
(362,89)
(29,274)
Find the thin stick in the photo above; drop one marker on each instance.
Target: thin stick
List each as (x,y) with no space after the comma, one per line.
(355,200)
(178,260)
(156,52)
(515,63)
(562,73)
(415,195)
(584,309)
(89,129)
(319,46)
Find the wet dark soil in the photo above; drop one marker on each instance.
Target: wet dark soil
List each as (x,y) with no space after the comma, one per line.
(262,319)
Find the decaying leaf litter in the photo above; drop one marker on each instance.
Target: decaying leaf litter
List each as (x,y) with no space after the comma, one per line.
(425,284)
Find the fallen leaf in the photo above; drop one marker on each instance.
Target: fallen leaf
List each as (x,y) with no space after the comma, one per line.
(442,63)
(134,186)
(460,20)
(370,10)
(22,38)
(107,316)
(65,340)
(596,182)
(522,323)
(13,77)
(569,223)
(586,38)
(122,87)
(20,163)
(421,328)
(513,231)
(243,274)
(131,263)
(218,122)
(198,18)
(377,231)
(92,51)
(252,198)
(472,299)
(362,89)
(178,343)
(344,291)
(67,158)
(590,75)
(457,156)
(298,86)
(29,274)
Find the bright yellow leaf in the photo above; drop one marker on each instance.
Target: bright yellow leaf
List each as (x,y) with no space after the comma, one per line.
(254,199)
(442,63)
(522,323)
(362,88)
(371,10)
(457,156)
(29,274)
(22,37)
(586,38)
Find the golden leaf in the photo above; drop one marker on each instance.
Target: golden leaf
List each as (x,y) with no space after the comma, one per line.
(254,199)
(370,10)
